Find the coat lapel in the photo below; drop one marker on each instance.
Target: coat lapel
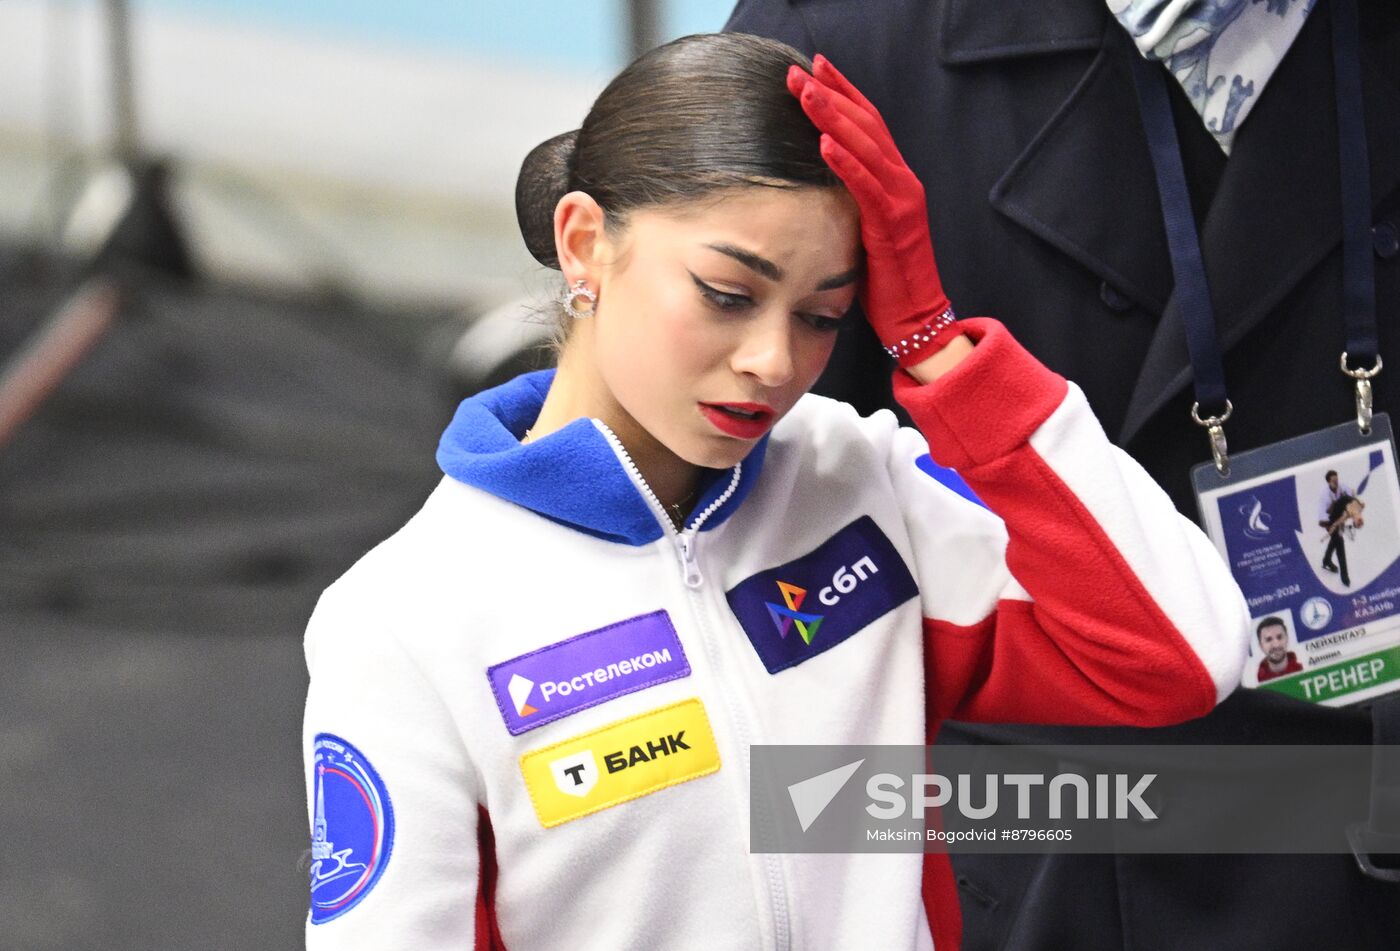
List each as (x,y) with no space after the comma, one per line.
(1277,211)
(1084,185)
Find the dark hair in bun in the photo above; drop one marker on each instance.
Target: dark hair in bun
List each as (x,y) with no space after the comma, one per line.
(692,117)
(545,177)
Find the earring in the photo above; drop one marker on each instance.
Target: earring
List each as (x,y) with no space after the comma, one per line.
(576,290)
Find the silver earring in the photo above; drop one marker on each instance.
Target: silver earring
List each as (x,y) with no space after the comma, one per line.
(576,290)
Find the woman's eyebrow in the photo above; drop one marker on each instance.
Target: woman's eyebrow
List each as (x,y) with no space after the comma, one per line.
(840,280)
(768,269)
(750,260)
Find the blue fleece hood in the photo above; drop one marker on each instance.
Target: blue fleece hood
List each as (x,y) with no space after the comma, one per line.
(572,476)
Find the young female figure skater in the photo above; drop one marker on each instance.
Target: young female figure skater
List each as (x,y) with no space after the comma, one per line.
(531,709)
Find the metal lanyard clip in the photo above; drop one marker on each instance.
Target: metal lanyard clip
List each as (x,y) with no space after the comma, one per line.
(1363,392)
(1215,429)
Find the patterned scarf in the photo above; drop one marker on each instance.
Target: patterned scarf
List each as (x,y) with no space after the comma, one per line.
(1222,52)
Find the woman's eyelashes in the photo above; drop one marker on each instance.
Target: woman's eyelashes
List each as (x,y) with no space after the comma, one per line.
(821,322)
(721,299)
(726,301)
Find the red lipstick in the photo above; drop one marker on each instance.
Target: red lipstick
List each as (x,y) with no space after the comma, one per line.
(741,420)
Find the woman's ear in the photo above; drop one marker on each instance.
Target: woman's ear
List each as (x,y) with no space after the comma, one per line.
(579,238)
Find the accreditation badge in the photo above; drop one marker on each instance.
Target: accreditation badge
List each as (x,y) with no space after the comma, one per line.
(1311,530)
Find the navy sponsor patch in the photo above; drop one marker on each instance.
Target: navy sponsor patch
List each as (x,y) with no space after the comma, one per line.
(810,605)
(353,829)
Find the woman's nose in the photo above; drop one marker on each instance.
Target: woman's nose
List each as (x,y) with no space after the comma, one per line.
(766,353)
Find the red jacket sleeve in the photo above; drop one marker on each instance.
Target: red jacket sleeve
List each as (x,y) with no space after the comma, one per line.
(1113,609)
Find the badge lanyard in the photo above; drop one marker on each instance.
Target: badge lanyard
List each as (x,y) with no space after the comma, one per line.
(1188,268)
(1265,476)
(1342,632)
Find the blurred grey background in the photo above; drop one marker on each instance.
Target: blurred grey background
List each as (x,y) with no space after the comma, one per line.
(252,253)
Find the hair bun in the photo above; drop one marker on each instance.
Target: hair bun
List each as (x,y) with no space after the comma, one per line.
(544,178)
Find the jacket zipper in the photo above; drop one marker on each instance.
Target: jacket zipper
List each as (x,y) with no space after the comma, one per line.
(685,545)
(685,541)
(771,863)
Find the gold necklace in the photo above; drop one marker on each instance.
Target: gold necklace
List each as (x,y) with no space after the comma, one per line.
(675,510)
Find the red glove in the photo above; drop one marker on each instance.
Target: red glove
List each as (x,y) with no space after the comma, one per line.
(902,295)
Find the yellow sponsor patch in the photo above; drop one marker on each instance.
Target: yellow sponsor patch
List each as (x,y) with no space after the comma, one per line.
(624,760)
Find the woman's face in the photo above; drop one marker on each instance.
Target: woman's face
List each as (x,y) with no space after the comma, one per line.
(714,318)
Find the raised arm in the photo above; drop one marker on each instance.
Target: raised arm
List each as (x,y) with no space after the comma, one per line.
(1104,605)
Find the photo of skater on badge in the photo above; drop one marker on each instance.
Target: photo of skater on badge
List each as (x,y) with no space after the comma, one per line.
(1339,513)
(1357,536)
(531,709)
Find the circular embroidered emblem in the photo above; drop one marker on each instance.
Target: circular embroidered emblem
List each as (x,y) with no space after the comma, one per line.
(352,831)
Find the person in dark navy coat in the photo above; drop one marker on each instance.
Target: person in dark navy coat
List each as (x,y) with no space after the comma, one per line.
(1021,120)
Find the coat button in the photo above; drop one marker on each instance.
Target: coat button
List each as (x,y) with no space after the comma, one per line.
(1113,298)
(1385,238)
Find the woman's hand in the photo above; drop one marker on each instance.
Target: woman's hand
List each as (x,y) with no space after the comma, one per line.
(902,294)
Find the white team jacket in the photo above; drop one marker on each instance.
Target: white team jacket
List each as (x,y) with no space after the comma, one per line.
(531,709)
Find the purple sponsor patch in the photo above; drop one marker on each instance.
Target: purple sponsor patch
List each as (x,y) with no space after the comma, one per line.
(587,670)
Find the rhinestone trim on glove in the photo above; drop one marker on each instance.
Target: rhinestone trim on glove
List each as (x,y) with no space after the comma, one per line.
(923,336)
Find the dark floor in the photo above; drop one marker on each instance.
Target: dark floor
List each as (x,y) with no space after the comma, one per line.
(152,790)
(167,519)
